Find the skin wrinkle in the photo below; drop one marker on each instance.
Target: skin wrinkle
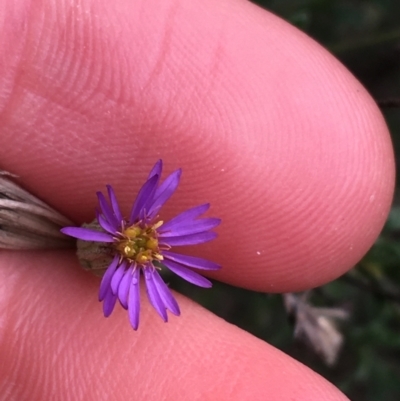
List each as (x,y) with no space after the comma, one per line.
(82,73)
(7,287)
(34,355)
(164,48)
(76,74)
(115,80)
(13,54)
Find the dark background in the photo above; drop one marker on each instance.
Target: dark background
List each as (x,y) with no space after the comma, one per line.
(365,36)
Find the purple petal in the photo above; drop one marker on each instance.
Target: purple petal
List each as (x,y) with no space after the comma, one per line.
(156,170)
(107,212)
(114,204)
(144,197)
(194,227)
(164,192)
(117,277)
(173,179)
(87,234)
(123,289)
(109,303)
(191,261)
(134,300)
(165,294)
(104,223)
(187,274)
(106,280)
(186,217)
(189,239)
(153,294)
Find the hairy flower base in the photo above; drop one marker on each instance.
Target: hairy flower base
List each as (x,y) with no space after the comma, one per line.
(136,246)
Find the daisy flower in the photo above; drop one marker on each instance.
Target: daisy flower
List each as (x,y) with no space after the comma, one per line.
(141,246)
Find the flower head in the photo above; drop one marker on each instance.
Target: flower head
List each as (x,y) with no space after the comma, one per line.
(141,245)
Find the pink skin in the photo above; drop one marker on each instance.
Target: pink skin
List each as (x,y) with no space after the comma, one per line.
(287,146)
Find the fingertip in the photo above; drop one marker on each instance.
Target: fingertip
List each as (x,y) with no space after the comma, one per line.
(273,131)
(55,329)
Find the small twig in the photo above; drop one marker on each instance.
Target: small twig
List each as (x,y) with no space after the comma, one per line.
(389,103)
(368,287)
(366,41)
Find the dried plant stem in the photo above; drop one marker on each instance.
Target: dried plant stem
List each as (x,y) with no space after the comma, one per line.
(26,222)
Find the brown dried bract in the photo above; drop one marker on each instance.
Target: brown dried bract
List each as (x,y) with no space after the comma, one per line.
(26,222)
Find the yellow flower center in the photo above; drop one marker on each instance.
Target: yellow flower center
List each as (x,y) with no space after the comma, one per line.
(139,243)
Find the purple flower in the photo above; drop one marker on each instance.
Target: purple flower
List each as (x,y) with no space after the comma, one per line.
(141,245)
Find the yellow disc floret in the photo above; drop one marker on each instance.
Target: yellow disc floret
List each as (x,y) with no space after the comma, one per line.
(139,244)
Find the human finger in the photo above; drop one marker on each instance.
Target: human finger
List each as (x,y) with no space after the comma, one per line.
(55,344)
(288,147)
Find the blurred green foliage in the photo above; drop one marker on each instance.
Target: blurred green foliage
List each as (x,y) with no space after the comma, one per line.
(365,36)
